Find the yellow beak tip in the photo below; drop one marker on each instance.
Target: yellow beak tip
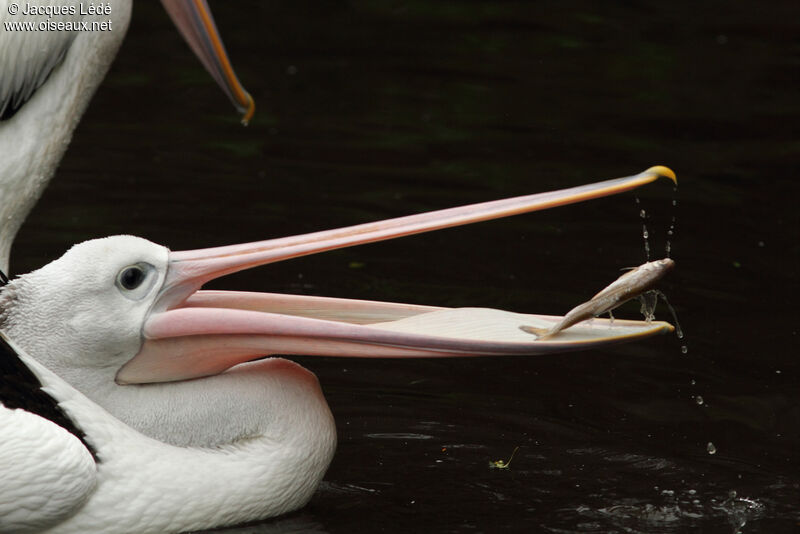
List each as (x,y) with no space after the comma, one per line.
(663,172)
(250,110)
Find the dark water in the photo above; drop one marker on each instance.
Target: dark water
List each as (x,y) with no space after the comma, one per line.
(376,109)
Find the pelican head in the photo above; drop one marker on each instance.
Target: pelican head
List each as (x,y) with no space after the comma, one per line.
(95,299)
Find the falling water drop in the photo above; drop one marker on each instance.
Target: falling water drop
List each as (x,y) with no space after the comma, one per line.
(671,231)
(645,232)
(648,302)
(711,448)
(699,400)
(670,234)
(684,349)
(678,330)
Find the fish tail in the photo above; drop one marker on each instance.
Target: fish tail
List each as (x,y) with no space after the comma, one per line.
(538,332)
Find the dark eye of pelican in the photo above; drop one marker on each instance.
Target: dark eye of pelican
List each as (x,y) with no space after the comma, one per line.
(135,281)
(131,277)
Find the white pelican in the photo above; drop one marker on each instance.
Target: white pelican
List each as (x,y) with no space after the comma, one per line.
(122,320)
(48,76)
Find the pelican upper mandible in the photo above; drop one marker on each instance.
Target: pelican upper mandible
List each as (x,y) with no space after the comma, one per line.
(51,62)
(165,381)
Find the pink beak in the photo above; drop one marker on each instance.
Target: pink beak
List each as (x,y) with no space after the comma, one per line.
(195,22)
(191,333)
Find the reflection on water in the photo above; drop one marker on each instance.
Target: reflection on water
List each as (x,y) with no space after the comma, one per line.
(375,109)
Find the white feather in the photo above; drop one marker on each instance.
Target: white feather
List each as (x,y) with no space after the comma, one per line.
(27,56)
(144,486)
(46,472)
(54,75)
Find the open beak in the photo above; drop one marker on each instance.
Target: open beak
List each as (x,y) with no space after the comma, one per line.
(191,333)
(195,22)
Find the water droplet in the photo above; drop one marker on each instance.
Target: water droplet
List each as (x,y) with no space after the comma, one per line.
(777,371)
(674,202)
(711,448)
(699,400)
(679,333)
(693,382)
(645,233)
(667,248)
(670,232)
(642,214)
(684,349)
(648,303)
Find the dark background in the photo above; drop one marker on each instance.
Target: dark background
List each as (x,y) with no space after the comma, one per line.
(368,110)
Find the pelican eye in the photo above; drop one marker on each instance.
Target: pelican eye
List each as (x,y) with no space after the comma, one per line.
(131,277)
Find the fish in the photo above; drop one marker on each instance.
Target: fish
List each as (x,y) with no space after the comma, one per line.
(630,285)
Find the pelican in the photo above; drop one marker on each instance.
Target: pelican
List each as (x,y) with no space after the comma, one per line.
(47,78)
(176,413)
